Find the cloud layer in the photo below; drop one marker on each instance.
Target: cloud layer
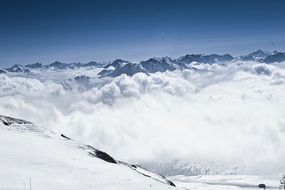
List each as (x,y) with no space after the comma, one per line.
(233,114)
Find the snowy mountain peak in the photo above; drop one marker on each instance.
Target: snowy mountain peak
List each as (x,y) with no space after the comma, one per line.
(158,65)
(16,68)
(258,54)
(57,65)
(34,66)
(208,59)
(116,63)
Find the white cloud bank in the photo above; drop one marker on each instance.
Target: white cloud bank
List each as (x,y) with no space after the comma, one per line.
(232,115)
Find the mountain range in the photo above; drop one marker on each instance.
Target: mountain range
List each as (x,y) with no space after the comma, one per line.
(118,67)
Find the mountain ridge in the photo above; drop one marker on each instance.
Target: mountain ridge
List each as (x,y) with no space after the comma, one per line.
(156,64)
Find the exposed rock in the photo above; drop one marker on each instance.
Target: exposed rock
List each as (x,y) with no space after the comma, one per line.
(278,57)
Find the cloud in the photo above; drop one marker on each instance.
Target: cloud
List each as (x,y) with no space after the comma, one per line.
(229,114)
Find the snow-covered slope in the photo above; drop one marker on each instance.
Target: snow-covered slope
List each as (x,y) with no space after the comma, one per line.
(54,161)
(229,182)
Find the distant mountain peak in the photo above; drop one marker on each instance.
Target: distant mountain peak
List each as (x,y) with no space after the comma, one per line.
(118,61)
(56,63)
(258,53)
(34,65)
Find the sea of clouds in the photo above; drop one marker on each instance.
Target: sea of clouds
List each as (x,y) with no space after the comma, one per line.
(233,114)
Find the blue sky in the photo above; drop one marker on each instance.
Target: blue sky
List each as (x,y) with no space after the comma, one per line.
(72,31)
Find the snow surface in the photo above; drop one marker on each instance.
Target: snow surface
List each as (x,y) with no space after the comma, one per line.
(56,163)
(228,182)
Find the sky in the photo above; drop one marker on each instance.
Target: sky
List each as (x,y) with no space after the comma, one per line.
(81,31)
